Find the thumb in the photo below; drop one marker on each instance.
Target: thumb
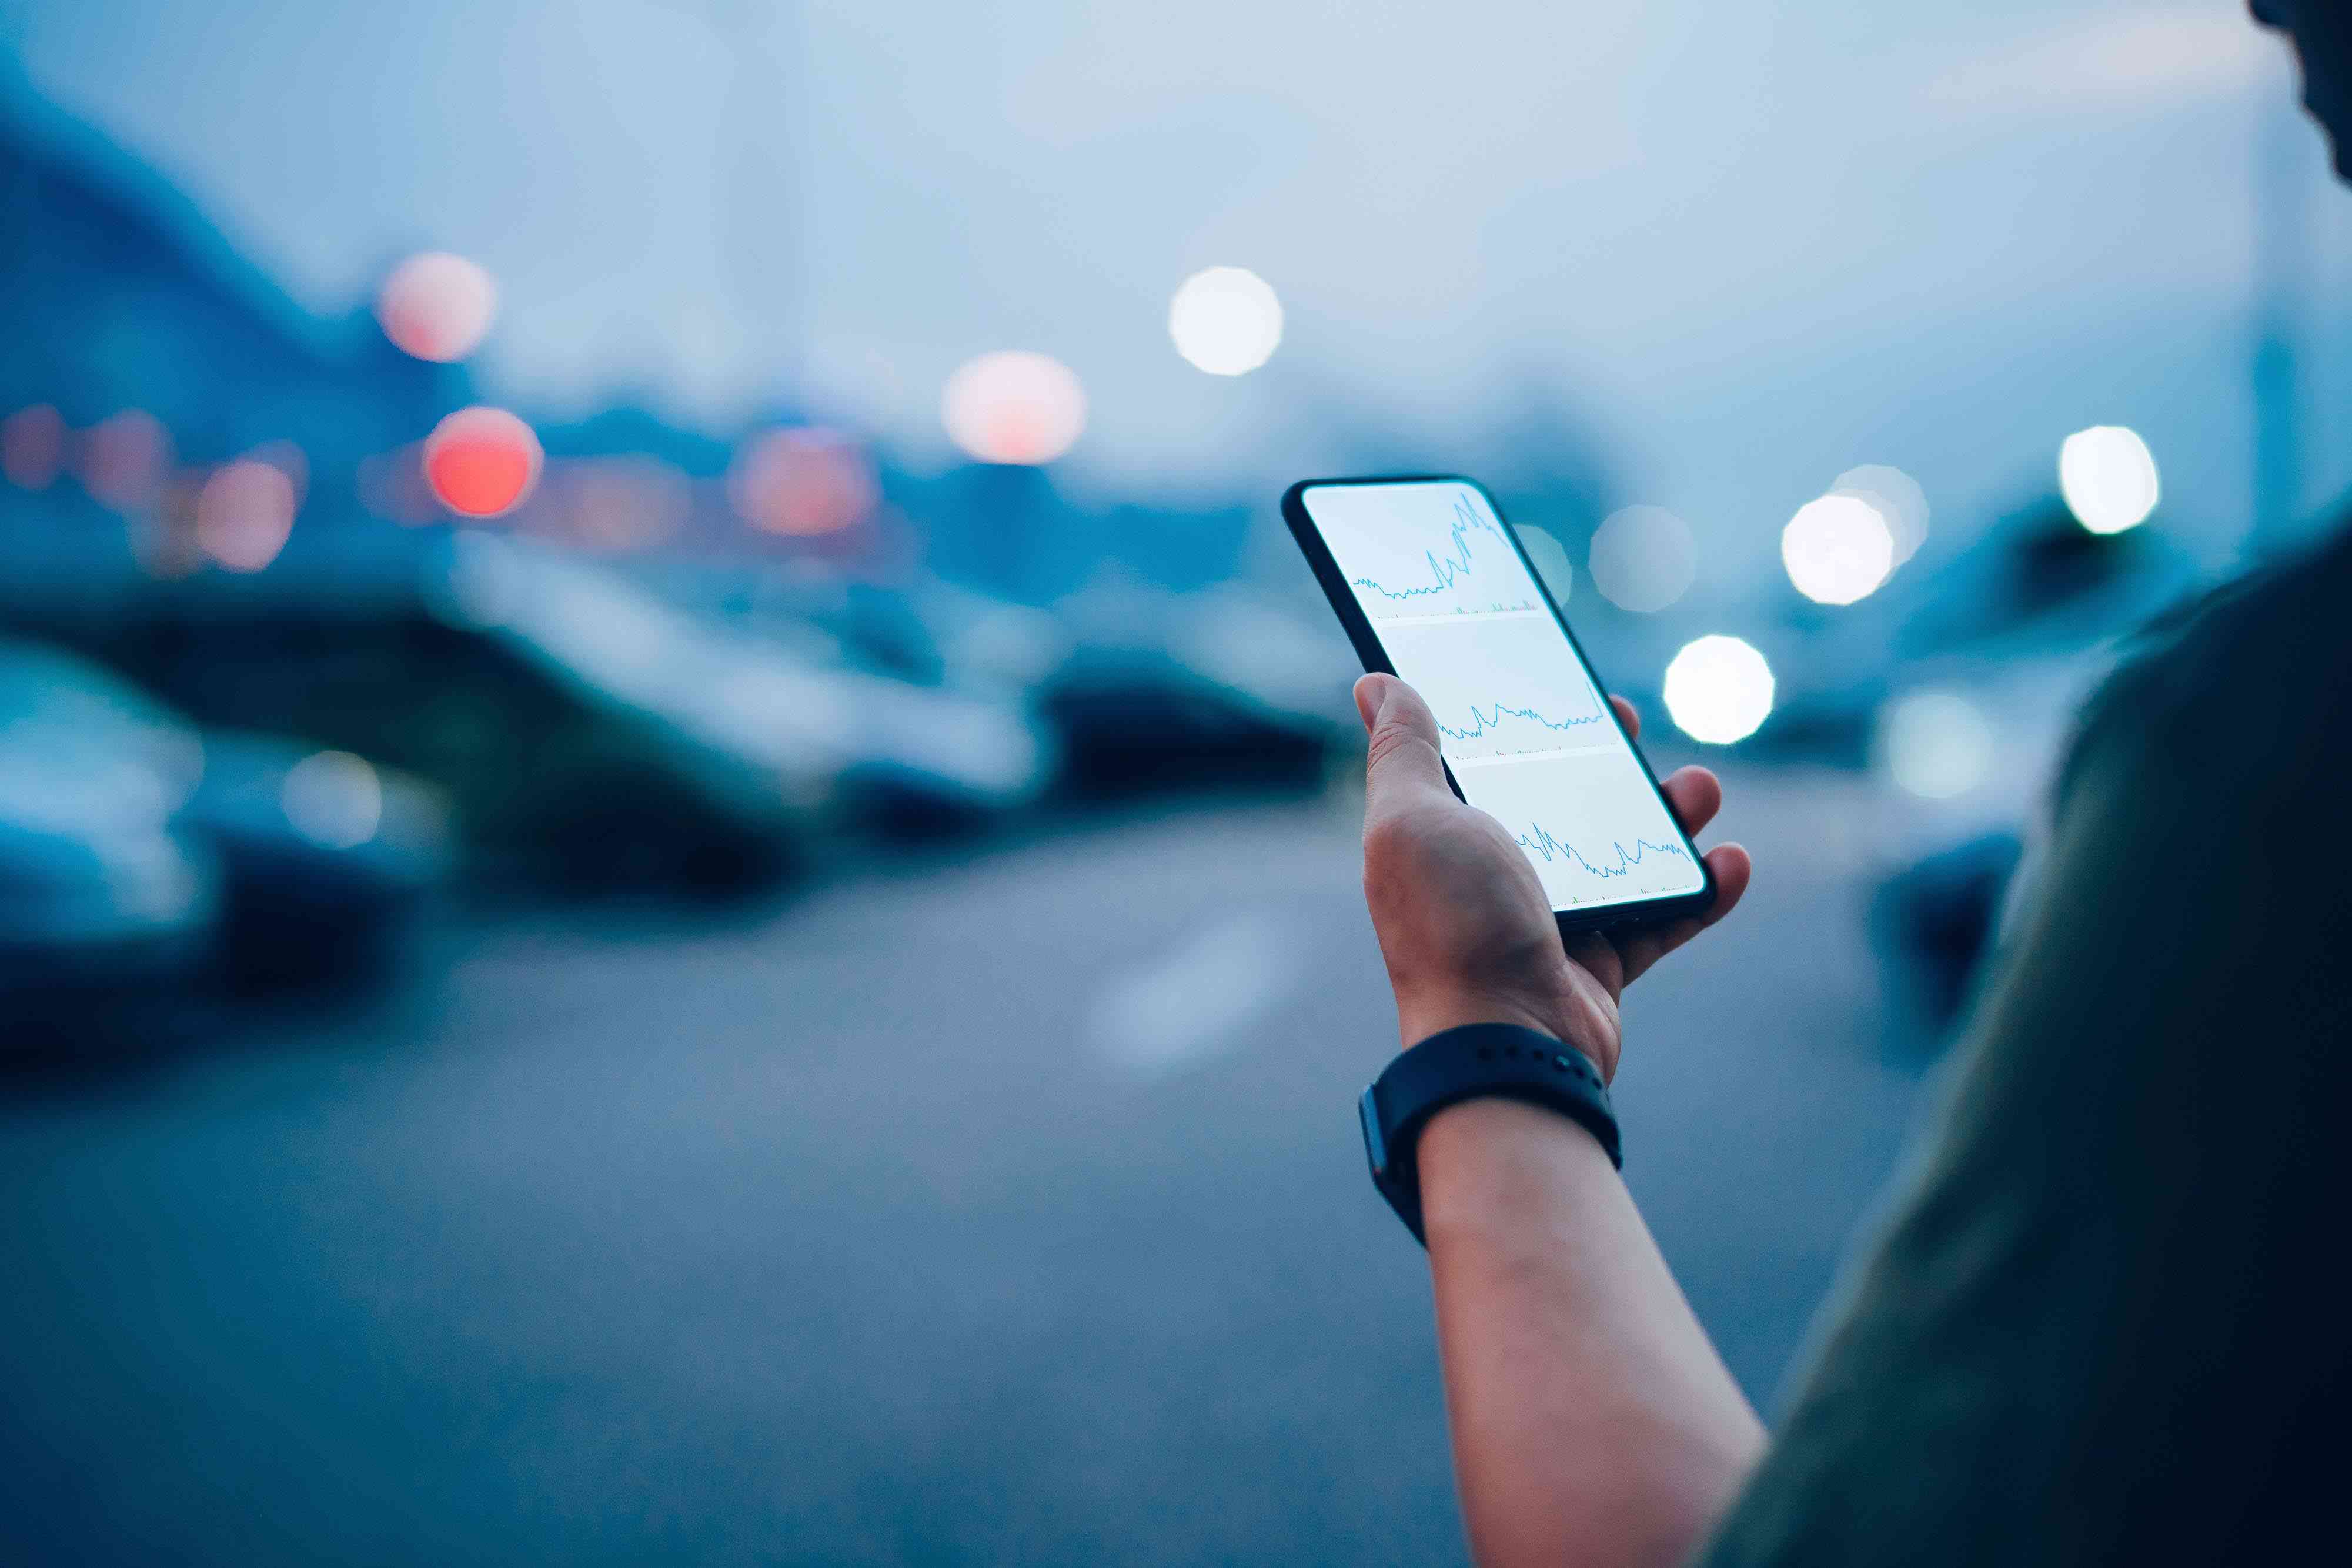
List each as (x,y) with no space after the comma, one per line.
(1402,767)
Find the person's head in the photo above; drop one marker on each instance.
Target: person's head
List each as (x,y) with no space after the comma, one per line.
(2322,31)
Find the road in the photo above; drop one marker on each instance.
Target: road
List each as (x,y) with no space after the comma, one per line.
(990,1210)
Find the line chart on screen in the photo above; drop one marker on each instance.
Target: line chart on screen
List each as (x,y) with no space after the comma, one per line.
(1500,686)
(1401,574)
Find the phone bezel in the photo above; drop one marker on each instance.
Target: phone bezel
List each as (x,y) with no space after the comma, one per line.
(1375,657)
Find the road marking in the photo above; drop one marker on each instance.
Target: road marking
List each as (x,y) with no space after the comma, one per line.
(1198,999)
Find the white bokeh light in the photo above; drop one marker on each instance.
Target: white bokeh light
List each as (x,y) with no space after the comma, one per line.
(333,798)
(1838,549)
(1719,690)
(1226,320)
(1899,500)
(1643,559)
(1551,559)
(245,514)
(2108,477)
(1013,406)
(437,305)
(1937,745)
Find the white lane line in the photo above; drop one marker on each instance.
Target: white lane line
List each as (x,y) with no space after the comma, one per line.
(1196,1000)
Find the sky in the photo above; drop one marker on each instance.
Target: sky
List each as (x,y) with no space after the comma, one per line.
(1752,246)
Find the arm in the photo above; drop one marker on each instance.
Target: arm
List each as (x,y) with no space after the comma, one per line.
(1592,1420)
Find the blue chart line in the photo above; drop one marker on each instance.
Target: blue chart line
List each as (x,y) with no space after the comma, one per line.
(1536,840)
(1483,722)
(1445,570)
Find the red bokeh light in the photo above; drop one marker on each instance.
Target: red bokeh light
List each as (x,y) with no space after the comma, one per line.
(482,461)
(803,482)
(33,446)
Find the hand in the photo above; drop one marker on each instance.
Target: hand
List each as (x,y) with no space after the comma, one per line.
(1463,924)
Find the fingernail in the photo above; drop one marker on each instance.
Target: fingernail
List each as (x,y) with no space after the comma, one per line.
(1367,703)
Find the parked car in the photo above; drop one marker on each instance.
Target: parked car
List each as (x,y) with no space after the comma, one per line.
(586,737)
(304,864)
(92,897)
(326,856)
(1161,692)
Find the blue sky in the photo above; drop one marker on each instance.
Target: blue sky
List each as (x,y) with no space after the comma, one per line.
(1759,244)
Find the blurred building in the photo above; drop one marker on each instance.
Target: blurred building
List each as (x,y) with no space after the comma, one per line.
(123,297)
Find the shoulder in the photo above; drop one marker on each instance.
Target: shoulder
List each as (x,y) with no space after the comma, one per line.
(2236,689)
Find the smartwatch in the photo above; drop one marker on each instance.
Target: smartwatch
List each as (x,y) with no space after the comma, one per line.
(1477,1061)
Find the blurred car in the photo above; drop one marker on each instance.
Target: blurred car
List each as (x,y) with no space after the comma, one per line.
(585,737)
(97,889)
(1138,689)
(1956,686)
(1964,751)
(1159,692)
(1934,920)
(326,856)
(759,666)
(307,862)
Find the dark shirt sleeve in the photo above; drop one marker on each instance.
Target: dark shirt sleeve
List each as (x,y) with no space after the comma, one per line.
(2107,1320)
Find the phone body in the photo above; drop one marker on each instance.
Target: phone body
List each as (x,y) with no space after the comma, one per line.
(1434,586)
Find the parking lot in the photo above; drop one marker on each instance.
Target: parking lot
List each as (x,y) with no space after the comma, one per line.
(1000,1208)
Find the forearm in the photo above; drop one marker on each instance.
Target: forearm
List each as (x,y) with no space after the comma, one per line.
(1594,1422)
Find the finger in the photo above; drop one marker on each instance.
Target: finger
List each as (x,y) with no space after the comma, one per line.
(1401,770)
(1696,795)
(1732,869)
(1627,715)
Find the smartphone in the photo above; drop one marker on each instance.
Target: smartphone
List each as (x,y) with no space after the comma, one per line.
(1433,585)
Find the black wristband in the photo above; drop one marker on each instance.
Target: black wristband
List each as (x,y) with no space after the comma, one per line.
(1477,1061)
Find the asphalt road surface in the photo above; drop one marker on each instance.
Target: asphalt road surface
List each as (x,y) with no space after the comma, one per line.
(1006,1209)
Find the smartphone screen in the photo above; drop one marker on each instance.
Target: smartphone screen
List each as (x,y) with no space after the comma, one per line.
(1446,592)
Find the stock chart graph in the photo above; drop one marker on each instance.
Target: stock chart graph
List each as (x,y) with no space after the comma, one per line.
(1470,569)
(1501,684)
(1616,861)
(1520,721)
(1591,824)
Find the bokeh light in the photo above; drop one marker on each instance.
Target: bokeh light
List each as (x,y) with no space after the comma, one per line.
(125,458)
(437,305)
(1719,690)
(1013,406)
(803,482)
(1898,497)
(1643,559)
(2108,477)
(1226,320)
(1936,744)
(1551,562)
(333,798)
(245,513)
(1838,549)
(482,461)
(33,446)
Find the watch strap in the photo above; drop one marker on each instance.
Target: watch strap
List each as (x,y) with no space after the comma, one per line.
(1477,1062)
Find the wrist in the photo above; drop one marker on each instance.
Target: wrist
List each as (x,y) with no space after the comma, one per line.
(1494,1162)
